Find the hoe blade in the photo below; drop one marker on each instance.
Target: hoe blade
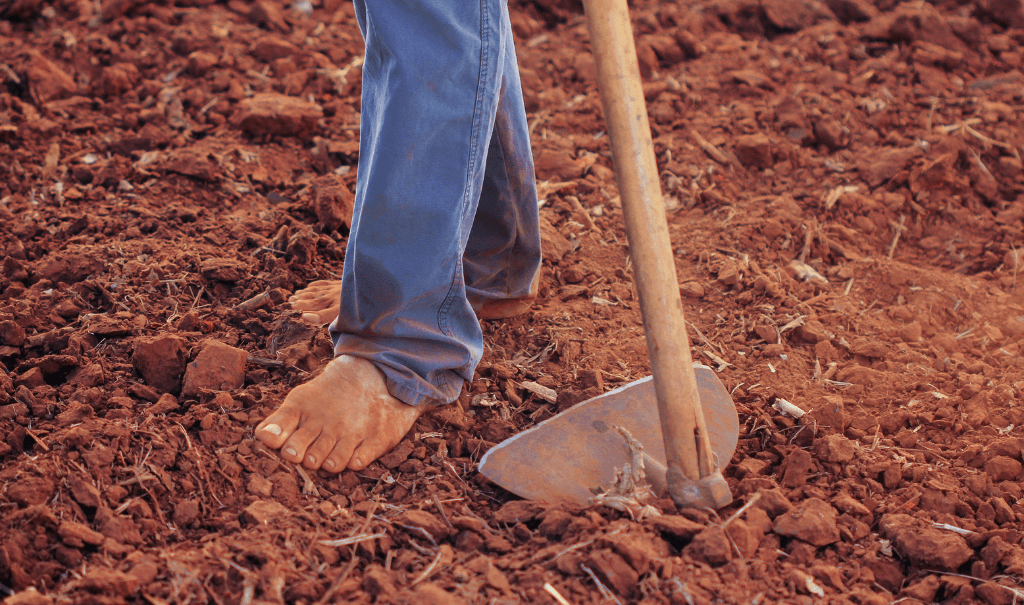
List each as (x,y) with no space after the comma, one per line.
(567,457)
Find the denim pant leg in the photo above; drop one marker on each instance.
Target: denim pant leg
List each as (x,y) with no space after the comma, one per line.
(432,76)
(503,254)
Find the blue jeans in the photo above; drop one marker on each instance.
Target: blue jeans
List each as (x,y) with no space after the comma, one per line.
(446,203)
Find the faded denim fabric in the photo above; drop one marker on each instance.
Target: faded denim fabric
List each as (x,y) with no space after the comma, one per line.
(446,203)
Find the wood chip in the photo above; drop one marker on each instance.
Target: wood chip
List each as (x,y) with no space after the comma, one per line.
(539,390)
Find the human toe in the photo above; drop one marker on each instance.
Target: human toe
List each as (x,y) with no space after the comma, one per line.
(320,451)
(339,458)
(276,428)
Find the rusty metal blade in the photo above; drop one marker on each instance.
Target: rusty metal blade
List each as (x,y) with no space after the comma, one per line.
(565,457)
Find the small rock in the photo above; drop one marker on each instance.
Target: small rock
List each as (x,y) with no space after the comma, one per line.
(276,114)
(794,15)
(166,403)
(100,580)
(910,332)
(11,333)
(1002,468)
(613,570)
(422,520)
(750,466)
(47,81)
(831,133)
(432,594)
(267,14)
(848,504)
(559,165)
(638,549)
(518,511)
(691,289)
(994,594)
(378,581)
(29,596)
(798,464)
(554,245)
(835,448)
(813,521)
(755,150)
(924,545)
(186,512)
(223,269)
(675,526)
(923,590)
(812,332)
(332,201)
(201,62)
(271,48)
(774,502)
(711,546)
(880,166)
(160,360)
(30,490)
(78,535)
(260,486)
(84,492)
(218,367)
(852,10)
(398,455)
(745,536)
(263,512)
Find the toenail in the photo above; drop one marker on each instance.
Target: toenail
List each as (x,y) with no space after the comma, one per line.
(290,451)
(329,463)
(357,462)
(311,459)
(273,429)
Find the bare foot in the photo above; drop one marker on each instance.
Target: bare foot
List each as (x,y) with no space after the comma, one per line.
(319,302)
(343,418)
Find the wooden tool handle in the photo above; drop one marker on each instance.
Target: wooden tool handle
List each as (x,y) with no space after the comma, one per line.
(687,446)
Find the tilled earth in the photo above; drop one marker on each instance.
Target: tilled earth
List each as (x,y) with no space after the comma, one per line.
(843,183)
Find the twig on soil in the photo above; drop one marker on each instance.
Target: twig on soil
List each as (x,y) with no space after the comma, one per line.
(980,163)
(266,363)
(351,564)
(931,112)
(10,73)
(742,510)
(715,153)
(440,509)
(601,587)
(196,300)
(951,128)
(201,466)
(808,238)
(253,303)
(954,529)
(705,338)
(548,588)
(429,570)
(899,228)
(308,487)
(36,438)
(974,133)
(352,539)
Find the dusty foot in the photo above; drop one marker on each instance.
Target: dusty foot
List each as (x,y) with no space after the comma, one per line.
(343,418)
(319,301)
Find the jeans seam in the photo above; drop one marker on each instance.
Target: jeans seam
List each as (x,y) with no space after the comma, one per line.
(442,316)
